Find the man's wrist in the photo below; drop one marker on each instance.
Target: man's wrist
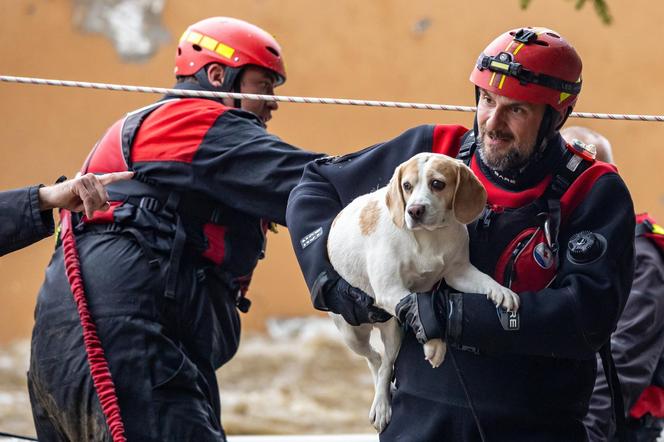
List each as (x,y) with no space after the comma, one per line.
(44,196)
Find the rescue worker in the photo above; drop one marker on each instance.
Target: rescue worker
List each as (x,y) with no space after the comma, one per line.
(167,267)
(557,229)
(637,344)
(26,214)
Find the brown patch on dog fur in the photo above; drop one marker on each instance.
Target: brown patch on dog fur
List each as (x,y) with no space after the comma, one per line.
(369,218)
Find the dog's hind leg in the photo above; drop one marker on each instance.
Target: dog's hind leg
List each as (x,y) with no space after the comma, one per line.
(381,410)
(358,339)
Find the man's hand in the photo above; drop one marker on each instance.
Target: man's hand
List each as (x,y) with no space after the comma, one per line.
(355,306)
(83,193)
(422,313)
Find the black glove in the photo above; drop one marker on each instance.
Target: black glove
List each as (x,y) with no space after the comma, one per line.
(353,304)
(424,314)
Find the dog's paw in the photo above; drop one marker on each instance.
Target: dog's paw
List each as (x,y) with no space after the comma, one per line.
(504,297)
(381,413)
(434,352)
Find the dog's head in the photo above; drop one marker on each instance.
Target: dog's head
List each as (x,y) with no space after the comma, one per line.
(429,190)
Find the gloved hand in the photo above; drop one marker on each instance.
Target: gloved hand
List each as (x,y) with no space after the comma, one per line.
(424,314)
(353,304)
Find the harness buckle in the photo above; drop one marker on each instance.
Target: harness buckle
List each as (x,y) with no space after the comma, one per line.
(149,203)
(215,216)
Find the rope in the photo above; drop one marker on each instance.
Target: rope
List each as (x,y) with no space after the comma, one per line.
(290,99)
(101,375)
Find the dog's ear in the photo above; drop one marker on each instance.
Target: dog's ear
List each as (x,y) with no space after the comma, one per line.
(394,199)
(469,195)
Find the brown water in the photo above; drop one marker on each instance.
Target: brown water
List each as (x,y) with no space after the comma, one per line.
(297,378)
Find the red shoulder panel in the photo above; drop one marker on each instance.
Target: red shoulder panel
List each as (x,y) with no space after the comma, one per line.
(174,131)
(447,139)
(107,154)
(581,186)
(497,196)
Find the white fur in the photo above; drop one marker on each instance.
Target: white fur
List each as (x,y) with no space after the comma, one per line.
(391,262)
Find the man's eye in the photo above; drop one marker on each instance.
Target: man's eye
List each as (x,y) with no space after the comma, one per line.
(437,185)
(407,186)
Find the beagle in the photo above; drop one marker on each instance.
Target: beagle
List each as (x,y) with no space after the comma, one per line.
(404,238)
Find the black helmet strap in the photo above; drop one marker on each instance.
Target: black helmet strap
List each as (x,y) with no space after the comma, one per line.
(230,83)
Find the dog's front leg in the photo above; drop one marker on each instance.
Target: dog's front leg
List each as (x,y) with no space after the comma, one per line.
(467,278)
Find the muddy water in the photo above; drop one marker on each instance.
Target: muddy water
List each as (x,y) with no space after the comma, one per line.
(296,378)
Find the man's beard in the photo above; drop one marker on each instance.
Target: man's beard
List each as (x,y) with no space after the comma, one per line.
(510,162)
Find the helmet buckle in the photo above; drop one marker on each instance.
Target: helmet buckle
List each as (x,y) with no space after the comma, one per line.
(525,36)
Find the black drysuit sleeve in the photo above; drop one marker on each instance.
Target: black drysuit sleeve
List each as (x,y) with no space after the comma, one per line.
(576,314)
(21,220)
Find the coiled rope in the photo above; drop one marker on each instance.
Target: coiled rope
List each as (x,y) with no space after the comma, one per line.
(101,375)
(290,99)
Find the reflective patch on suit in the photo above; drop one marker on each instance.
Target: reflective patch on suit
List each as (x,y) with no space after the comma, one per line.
(508,319)
(311,237)
(543,255)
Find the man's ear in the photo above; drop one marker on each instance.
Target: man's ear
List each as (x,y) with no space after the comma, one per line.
(394,199)
(469,196)
(215,74)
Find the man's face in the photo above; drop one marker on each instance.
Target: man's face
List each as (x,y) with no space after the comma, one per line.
(507,130)
(257,80)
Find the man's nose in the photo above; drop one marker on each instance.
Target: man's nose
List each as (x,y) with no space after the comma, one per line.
(496,119)
(272,105)
(416,211)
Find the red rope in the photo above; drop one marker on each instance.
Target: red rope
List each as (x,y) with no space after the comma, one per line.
(101,375)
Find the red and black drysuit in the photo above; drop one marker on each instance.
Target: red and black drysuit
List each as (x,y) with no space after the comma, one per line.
(638,349)
(21,221)
(530,376)
(164,270)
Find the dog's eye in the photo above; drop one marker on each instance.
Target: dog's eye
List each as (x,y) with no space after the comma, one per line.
(407,186)
(437,185)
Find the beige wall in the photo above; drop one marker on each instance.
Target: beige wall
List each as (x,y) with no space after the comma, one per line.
(339,48)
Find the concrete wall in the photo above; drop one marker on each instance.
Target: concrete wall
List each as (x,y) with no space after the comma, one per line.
(341,48)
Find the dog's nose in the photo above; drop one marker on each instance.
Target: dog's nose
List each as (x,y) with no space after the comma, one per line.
(416,211)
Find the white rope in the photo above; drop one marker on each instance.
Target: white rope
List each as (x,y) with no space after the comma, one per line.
(289,99)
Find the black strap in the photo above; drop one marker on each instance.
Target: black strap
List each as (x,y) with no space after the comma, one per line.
(615,391)
(468,146)
(643,227)
(178,248)
(568,170)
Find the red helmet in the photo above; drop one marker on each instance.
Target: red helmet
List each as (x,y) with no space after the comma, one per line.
(531,64)
(230,42)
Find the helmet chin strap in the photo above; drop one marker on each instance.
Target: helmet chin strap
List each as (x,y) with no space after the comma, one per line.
(230,82)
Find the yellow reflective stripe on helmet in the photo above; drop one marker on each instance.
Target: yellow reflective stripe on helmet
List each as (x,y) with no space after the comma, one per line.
(518,48)
(194,37)
(502,80)
(656,228)
(225,51)
(208,43)
(493,75)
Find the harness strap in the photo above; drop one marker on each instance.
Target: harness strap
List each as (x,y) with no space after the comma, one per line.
(614,389)
(99,371)
(467,149)
(178,247)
